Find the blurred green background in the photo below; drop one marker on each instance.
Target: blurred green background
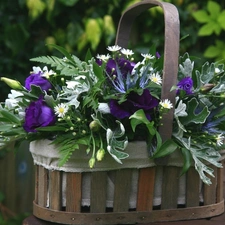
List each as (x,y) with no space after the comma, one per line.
(26,26)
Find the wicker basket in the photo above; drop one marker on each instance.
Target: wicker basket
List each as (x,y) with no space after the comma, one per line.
(48,204)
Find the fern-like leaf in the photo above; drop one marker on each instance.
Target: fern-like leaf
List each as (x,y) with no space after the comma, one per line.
(58,63)
(66,145)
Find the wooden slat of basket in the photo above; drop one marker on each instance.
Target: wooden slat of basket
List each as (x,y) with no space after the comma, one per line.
(73,192)
(209,193)
(55,190)
(36,185)
(122,190)
(170,187)
(192,188)
(42,185)
(145,189)
(98,192)
(219,190)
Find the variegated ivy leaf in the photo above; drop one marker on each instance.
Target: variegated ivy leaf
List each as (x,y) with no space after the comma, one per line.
(115,144)
(196,114)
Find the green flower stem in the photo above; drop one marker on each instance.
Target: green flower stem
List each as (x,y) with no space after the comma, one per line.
(94,147)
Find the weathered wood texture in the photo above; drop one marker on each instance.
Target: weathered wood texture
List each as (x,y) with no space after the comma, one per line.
(218,220)
(17,179)
(125,180)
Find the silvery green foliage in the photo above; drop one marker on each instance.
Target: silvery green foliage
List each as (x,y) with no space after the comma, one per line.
(186,67)
(115,144)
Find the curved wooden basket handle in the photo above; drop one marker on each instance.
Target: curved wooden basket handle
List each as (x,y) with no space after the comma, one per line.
(171,50)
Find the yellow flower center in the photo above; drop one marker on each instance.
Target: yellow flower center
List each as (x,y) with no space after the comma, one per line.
(61,110)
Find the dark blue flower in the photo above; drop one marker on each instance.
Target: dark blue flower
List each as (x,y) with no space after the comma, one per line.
(38,80)
(38,114)
(212,123)
(119,73)
(133,103)
(186,84)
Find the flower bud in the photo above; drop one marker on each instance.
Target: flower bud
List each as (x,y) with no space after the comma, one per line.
(207,87)
(91,162)
(16,85)
(94,126)
(88,150)
(100,154)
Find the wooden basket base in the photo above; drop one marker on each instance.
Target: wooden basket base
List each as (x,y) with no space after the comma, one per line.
(131,217)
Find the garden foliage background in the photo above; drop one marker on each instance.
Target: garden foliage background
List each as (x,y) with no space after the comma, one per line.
(26,26)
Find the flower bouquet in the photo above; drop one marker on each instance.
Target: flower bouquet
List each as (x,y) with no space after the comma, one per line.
(105,102)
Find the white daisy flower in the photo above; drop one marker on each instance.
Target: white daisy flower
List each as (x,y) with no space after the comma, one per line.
(127,52)
(156,78)
(47,73)
(166,104)
(220,139)
(113,48)
(148,56)
(36,69)
(61,109)
(103,57)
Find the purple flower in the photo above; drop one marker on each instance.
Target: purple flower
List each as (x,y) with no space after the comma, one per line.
(185,84)
(133,103)
(157,55)
(125,66)
(38,114)
(38,80)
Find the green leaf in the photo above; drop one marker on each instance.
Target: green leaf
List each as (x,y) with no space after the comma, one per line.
(50,100)
(66,144)
(51,128)
(167,148)
(99,71)
(10,116)
(201,167)
(201,154)
(221,19)
(217,29)
(69,2)
(212,52)
(206,30)
(201,16)
(187,160)
(6,127)
(207,73)
(88,56)
(62,50)
(14,132)
(93,32)
(36,8)
(36,91)
(214,9)
(59,64)
(139,117)
(109,29)
(193,116)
